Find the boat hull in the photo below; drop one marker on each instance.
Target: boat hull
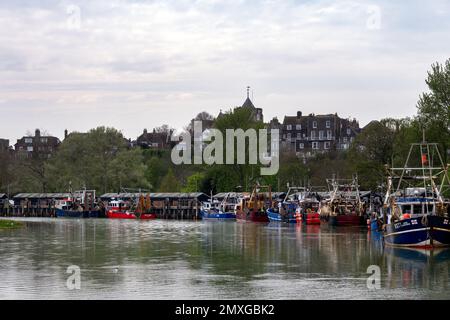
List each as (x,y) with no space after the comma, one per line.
(310,218)
(127,215)
(60,213)
(277,217)
(252,216)
(374,225)
(346,220)
(219,216)
(415,232)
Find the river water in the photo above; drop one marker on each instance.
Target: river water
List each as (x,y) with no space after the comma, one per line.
(160,259)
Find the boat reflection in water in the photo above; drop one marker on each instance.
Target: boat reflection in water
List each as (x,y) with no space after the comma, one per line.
(411,268)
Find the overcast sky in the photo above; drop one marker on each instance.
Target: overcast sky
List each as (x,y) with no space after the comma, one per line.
(136,64)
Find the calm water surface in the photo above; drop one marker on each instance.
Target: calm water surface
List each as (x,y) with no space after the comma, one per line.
(211,260)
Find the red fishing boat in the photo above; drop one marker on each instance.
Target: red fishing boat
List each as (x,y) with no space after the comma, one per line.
(254,208)
(119,209)
(308,208)
(344,208)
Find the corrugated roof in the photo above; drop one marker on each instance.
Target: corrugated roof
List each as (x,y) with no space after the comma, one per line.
(156,195)
(222,195)
(41,195)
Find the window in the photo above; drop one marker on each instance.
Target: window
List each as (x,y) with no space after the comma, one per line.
(301,145)
(28,140)
(289,136)
(326,145)
(313,134)
(298,127)
(30,149)
(321,135)
(314,124)
(328,124)
(289,127)
(329,136)
(349,131)
(315,145)
(345,139)
(43,140)
(299,135)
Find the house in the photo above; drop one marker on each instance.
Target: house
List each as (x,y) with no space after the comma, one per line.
(36,146)
(155,139)
(310,134)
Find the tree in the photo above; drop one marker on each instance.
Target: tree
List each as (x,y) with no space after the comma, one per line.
(97,160)
(7,176)
(374,143)
(156,169)
(194,182)
(240,118)
(434,106)
(128,170)
(292,171)
(169,183)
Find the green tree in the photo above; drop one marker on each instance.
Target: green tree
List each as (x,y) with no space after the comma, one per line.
(434,106)
(156,169)
(194,182)
(98,159)
(245,175)
(169,183)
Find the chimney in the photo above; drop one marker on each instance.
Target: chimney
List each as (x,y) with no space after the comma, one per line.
(145,131)
(66,133)
(299,114)
(37,133)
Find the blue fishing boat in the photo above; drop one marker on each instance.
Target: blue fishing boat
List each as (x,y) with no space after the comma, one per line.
(275,216)
(81,204)
(214,210)
(217,215)
(61,213)
(286,210)
(426,231)
(418,215)
(374,224)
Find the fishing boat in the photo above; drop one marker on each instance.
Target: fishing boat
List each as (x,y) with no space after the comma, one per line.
(344,208)
(375,222)
(286,209)
(416,212)
(375,216)
(81,204)
(219,210)
(254,207)
(308,208)
(119,209)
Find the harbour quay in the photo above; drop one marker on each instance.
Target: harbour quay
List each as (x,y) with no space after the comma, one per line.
(164,205)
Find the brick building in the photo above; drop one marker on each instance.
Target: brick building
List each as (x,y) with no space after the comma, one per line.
(155,140)
(37,145)
(310,134)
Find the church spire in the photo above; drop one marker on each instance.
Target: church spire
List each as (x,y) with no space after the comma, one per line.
(248,92)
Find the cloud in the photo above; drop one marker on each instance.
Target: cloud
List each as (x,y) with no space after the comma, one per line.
(154,62)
